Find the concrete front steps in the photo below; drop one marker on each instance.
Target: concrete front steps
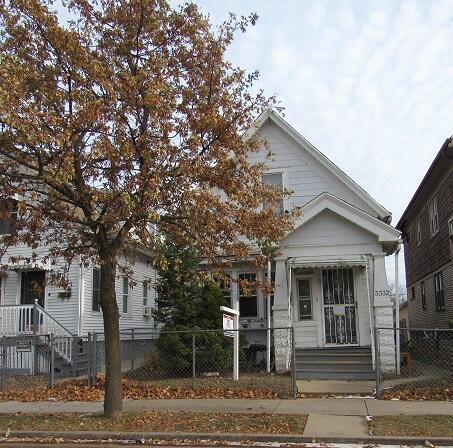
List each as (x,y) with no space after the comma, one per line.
(334,363)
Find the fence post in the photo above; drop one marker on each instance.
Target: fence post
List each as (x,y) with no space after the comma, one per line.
(52,361)
(89,359)
(293,365)
(132,349)
(193,359)
(94,369)
(35,318)
(378,362)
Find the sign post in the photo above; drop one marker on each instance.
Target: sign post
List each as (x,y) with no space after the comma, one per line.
(231,322)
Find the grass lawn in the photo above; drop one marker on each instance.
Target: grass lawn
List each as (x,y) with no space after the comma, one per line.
(413,425)
(155,421)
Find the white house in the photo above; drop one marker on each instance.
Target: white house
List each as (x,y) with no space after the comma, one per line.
(74,312)
(330,278)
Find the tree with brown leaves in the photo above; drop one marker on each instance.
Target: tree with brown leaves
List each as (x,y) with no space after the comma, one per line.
(125,119)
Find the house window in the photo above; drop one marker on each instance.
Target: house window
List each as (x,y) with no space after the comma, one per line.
(276,180)
(248,297)
(304,298)
(96,289)
(433,216)
(413,293)
(419,232)
(439,292)
(225,287)
(145,294)
(126,307)
(8,216)
(450,227)
(423,292)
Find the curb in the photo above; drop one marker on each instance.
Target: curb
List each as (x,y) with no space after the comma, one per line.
(240,437)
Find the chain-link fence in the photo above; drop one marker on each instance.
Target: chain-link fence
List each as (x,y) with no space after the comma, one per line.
(204,360)
(198,359)
(425,368)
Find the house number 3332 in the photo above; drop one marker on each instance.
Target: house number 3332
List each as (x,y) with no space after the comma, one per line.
(382,292)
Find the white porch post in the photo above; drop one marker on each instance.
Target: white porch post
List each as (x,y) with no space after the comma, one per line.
(383,312)
(282,347)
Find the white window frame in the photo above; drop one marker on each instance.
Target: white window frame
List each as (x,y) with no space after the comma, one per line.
(251,295)
(128,313)
(439,291)
(310,281)
(450,227)
(145,293)
(433,213)
(285,184)
(95,268)
(418,231)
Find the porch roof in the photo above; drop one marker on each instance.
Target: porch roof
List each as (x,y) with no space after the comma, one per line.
(325,262)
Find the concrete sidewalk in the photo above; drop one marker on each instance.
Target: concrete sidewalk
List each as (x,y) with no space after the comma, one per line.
(346,417)
(360,407)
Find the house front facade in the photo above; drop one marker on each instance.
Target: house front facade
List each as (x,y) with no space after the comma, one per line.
(427,229)
(330,278)
(73,312)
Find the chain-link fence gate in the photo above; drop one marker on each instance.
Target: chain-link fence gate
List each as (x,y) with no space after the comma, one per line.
(425,365)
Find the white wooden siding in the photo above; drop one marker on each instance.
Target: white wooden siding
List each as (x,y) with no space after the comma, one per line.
(306,177)
(92,320)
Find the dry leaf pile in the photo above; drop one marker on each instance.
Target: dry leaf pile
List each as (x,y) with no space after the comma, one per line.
(420,393)
(78,391)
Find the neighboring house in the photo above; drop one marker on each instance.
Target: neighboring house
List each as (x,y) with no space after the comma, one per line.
(330,278)
(73,312)
(427,228)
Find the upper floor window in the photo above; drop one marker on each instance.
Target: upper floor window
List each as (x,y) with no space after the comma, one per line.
(8,216)
(96,289)
(439,292)
(413,293)
(276,180)
(248,297)
(419,232)
(145,293)
(433,216)
(423,292)
(450,227)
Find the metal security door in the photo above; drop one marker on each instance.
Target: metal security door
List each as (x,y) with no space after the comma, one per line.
(339,306)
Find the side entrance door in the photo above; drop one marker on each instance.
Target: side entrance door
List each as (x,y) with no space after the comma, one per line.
(339,307)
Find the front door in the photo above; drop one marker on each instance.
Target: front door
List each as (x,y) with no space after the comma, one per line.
(339,306)
(32,287)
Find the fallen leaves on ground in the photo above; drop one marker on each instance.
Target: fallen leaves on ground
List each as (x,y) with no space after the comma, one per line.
(419,393)
(160,421)
(77,390)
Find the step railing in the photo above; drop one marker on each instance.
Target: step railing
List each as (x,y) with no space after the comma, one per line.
(22,320)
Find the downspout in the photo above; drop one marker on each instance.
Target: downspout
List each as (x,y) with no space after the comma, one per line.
(397,308)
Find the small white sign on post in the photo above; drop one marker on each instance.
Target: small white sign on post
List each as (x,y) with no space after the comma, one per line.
(231,322)
(228,325)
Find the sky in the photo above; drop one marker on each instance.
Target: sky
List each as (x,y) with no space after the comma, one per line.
(369,83)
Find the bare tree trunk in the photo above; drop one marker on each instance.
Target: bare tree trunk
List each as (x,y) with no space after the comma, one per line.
(113,400)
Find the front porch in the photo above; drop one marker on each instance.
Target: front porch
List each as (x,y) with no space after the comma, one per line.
(334,305)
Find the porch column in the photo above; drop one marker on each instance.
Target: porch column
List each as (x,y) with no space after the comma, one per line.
(383,314)
(282,342)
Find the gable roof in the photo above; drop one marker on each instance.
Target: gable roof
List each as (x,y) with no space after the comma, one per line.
(385,233)
(269,114)
(441,163)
